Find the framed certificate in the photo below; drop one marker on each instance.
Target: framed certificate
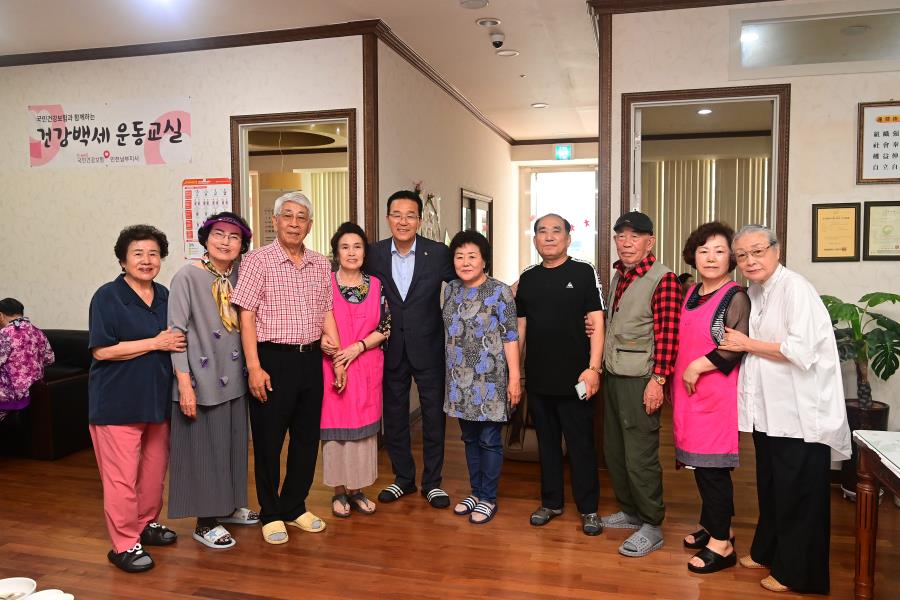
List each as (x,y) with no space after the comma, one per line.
(881,229)
(835,232)
(878,143)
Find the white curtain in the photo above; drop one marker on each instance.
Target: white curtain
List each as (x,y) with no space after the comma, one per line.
(680,195)
(329,192)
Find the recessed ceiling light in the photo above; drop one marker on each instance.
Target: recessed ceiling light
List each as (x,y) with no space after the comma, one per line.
(488,22)
(855,29)
(748,37)
(539,105)
(507,52)
(473,4)
(704,111)
(523,75)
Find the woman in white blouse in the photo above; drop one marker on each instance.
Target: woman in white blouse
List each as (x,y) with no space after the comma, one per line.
(790,396)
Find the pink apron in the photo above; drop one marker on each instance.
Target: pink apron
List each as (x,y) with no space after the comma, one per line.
(354,413)
(705,423)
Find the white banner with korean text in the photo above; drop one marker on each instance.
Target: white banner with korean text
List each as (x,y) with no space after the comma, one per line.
(110,134)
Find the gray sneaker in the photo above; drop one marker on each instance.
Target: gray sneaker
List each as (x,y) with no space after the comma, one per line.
(590,524)
(621,520)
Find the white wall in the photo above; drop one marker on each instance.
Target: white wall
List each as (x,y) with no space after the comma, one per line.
(686,49)
(425,135)
(59,225)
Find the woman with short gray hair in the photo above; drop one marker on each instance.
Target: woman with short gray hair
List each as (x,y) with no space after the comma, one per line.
(790,395)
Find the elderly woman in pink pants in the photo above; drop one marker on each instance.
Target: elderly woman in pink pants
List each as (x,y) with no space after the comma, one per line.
(351,403)
(704,391)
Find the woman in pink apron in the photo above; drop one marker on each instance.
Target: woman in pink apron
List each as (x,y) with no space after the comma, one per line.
(704,391)
(351,404)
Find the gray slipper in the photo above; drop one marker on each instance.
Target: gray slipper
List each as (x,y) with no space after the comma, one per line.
(621,520)
(638,544)
(543,515)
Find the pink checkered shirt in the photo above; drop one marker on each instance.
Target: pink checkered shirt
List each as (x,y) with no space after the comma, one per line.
(290,302)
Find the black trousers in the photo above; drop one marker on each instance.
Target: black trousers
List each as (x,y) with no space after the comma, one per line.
(717,494)
(294,406)
(569,416)
(397,438)
(793,532)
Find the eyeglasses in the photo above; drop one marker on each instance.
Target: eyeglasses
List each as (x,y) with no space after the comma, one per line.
(219,236)
(291,217)
(409,217)
(755,253)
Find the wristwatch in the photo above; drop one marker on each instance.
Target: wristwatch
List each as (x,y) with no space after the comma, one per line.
(661,380)
(597,370)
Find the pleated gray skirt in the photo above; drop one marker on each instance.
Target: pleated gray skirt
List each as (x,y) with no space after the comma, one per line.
(208,460)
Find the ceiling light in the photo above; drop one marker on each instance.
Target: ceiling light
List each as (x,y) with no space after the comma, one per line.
(748,37)
(473,4)
(523,75)
(855,29)
(507,52)
(704,111)
(488,22)
(539,105)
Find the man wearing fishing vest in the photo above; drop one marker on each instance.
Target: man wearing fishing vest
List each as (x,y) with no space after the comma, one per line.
(639,355)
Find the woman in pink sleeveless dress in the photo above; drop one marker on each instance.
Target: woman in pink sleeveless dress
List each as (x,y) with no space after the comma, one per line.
(705,391)
(351,404)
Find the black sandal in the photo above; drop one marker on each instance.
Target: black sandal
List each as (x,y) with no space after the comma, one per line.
(701,539)
(156,534)
(713,561)
(126,560)
(344,499)
(360,503)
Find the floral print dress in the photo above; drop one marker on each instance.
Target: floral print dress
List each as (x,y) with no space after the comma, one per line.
(477,322)
(24,351)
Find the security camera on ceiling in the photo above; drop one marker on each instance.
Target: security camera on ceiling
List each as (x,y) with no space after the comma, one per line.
(497,39)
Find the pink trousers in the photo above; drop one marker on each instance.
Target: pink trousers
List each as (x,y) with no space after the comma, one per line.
(132,460)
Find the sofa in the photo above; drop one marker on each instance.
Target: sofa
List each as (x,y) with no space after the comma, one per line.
(55,424)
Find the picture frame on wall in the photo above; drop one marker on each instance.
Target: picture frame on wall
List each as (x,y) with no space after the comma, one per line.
(835,232)
(881,227)
(878,143)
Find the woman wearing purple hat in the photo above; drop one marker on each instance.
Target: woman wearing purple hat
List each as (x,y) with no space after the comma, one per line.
(208,457)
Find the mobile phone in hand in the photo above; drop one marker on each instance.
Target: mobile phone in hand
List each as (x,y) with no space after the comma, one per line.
(581,390)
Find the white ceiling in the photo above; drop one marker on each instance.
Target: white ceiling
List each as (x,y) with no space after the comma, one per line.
(741,115)
(555,38)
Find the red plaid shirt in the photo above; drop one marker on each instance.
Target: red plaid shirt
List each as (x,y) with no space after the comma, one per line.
(290,302)
(666,307)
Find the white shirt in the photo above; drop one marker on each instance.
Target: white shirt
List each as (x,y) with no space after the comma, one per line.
(804,397)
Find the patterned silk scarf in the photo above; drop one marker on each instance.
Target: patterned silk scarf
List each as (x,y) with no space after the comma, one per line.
(221,289)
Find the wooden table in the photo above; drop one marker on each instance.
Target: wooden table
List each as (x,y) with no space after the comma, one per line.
(879,463)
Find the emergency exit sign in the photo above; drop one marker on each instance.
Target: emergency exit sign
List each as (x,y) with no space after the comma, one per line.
(562,151)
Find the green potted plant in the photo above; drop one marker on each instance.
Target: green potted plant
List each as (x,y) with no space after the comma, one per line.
(872,341)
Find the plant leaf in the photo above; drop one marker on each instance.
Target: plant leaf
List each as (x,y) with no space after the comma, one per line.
(884,352)
(886,322)
(876,298)
(839,310)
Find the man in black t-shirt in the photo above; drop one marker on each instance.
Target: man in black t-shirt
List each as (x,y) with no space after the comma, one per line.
(552,301)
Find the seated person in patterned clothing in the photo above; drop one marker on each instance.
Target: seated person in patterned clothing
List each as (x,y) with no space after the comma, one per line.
(24,352)
(483,381)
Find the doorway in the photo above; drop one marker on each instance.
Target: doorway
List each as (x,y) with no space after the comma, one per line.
(313,152)
(693,156)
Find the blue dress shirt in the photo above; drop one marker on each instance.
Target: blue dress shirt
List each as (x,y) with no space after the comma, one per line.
(402,267)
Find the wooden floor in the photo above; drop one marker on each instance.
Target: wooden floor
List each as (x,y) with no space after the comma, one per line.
(52,530)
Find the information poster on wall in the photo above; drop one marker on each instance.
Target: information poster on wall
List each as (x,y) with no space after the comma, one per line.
(879,143)
(110,134)
(200,199)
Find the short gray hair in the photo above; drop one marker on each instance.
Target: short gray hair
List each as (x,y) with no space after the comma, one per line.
(750,229)
(296,197)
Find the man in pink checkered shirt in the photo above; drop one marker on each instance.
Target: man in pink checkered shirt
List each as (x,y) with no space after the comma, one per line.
(284,293)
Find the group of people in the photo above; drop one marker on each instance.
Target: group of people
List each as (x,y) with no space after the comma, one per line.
(330,354)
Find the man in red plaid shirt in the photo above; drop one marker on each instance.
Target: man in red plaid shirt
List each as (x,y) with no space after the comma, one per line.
(284,293)
(639,355)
